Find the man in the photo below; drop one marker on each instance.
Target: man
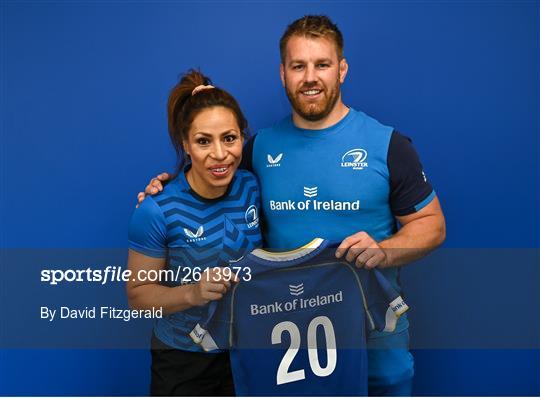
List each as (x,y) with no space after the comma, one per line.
(333,172)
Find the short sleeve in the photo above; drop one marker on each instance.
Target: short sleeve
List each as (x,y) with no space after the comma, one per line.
(384,304)
(410,190)
(147,230)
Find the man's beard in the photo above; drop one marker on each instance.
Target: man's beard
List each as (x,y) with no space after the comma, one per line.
(314,111)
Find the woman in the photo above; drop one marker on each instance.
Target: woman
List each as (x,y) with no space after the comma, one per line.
(205,217)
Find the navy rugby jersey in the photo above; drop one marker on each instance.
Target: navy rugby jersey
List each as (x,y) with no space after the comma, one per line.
(298,325)
(356,175)
(191,231)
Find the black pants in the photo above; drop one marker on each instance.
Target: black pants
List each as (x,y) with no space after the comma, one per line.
(185,373)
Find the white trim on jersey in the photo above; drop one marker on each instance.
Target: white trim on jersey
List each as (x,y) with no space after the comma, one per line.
(197,334)
(201,336)
(208,343)
(290,255)
(395,309)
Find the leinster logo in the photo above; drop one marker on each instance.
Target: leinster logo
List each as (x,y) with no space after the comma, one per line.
(252,216)
(355,158)
(195,236)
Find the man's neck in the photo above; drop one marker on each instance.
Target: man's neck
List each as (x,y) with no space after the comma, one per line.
(339,112)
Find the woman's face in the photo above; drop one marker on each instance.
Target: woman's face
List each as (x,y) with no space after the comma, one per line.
(214,144)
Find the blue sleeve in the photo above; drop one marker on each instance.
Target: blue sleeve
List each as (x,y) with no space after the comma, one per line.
(384,304)
(410,190)
(215,329)
(147,230)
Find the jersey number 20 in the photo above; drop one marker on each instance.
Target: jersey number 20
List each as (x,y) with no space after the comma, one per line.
(283,374)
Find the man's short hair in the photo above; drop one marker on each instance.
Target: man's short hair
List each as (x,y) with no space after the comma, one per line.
(312,26)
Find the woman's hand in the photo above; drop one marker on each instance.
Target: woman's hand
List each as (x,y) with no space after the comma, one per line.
(213,285)
(145,294)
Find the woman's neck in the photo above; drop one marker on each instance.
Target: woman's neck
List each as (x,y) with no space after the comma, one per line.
(202,189)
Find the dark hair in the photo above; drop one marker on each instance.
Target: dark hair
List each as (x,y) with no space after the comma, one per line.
(312,26)
(183,107)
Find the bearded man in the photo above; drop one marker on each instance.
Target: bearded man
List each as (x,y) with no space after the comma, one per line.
(330,171)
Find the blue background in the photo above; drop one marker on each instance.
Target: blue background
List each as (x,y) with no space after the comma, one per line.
(84,89)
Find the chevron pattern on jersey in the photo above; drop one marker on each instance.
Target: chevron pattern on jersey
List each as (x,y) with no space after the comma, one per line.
(234,239)
(204,234)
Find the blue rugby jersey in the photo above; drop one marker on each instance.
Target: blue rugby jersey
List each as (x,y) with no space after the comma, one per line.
(191,231)
(298,326)
(356,175)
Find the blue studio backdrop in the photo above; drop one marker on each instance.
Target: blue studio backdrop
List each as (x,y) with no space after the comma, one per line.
(83,112)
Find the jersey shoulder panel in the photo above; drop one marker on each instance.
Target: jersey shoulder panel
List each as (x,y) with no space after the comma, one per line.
(372,124)
(277,127)
(410,190)
(147,231)
(271,133)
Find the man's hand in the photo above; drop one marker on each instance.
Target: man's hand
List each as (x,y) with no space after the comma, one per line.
(153,187)
(420,233)
(362,250)
(212,286)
